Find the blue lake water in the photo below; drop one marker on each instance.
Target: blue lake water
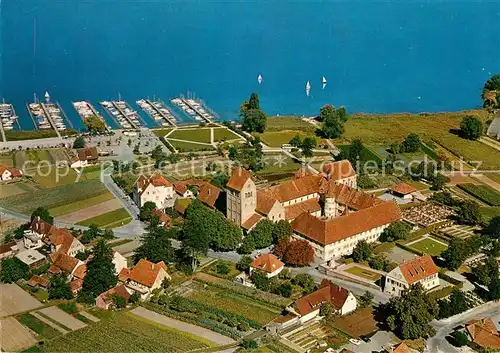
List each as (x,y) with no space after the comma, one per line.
(384,56)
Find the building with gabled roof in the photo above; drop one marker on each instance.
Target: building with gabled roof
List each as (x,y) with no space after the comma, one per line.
(105,300)
(154,188)
(9,173)
(419,270)
(144,277)
(84,156)
(308,307)
(268,264)
(483,333)
(341,172)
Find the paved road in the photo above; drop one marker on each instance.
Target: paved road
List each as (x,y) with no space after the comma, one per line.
(443,328)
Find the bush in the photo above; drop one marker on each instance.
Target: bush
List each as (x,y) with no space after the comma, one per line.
(249,344)
(460,338)
(223,268)
(69,307)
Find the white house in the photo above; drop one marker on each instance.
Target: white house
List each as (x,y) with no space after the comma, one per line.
(144,277)
(119,261)
(268,264)
(8,173)
(156,189)
(308,307)
(420,270)
(84,157)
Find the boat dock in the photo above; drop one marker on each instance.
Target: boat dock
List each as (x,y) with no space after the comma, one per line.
(7,119)
(127,117)
(40,117)
(158,111)
(194,109)
(86,109)
(52,113)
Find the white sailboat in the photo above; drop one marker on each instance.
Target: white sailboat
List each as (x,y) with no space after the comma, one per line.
(308,88)
(324,82)
(259,79)
(47,97)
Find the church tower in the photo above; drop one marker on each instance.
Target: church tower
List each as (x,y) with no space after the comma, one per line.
(241,196)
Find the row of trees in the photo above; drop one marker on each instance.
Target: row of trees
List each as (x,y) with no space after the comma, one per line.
(264,234)
(306,145)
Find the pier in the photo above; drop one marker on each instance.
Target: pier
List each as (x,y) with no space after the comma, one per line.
(194,108)
(2,132)
(7,119)
(32,117)
(65,116)
(49,118)
(158,111)
(126,117)
(86,109)
(120,106)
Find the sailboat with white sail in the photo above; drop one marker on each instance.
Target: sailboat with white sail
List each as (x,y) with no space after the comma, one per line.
(259,79)
(308,88)
(324,82)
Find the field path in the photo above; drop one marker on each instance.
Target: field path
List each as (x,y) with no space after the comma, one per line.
(48,322)
(215,337)
(90,212)
(62,317)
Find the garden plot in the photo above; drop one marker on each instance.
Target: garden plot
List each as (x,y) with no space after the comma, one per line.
(359,323)
(90,212)
(308,337)
(62,317)
(14,336)
(14,300)
(459,231)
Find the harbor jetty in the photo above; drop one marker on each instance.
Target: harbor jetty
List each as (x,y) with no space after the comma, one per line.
(194,108)
(7,118)
(119,110)
(158,111)
(86,109)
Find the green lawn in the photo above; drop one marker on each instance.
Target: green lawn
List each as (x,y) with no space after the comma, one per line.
(186,146)
(224,134)
(125,332)
(53,197)
(72,207)
(279,123)
(429,246)
(197,135)
(417,184)
(278,138)
(111,219)
(161,132)
(365,273)
(38,326)
(490,212)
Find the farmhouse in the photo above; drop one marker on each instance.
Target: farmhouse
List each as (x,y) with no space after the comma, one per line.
(144,277)
(484,333)
(105,299)
(9,173)
(347,216)
(68,265)
(154,188)
(84,157)
(420,270)
(308,307)
(268,264)
(163,218)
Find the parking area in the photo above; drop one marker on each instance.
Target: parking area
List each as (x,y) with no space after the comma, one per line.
(14,300)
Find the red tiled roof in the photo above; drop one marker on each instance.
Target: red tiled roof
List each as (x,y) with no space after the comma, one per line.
(331,230)
(208,194)
(16,173)
(401,348)
(65,262)
(294,189)
(309,206)
(40,226)
(146,272)
(181,205)
(80,271)
(339,170)
(302,172)
(120,290)
(163,217)
(267,263)
(350,197)
(37,280)
(328,292)
(419,268)
(264,203)
(155,179)
(5,248)
(238,178)
(76,285)
(252,221)
(403,189)
(124,274)
(53,269)
(484,333)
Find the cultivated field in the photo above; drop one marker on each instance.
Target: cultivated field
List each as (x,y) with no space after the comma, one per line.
(14,336)
(483,192)
(14,300)
(7,159)
(110,219)
(308,337)
(91,211)
(125,332)
(35,325)
(458,231)
(359,323)
(80,205)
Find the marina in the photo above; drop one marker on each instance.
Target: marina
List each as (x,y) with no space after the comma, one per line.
(158,111)
(7,118)
(126,117)
(47,115)
(86,109)
(195,109)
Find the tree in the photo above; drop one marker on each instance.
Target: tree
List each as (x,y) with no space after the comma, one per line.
(459,338)
(396,231)
(299,253)
(411,144)
(247,246)
(493,227)
(305,281)
(281,229)
(405,319)
(118,301)
(284,289)
(146,211)
(254,120)
(455,254)
(44,215)
(296,141)
(249,344)
(12,270)
(60,288)
(101,274)
(458,302)
(327,309)
(79,142)
(439,181)
(94,124)
(156,245)
(494,289)
(486,271)
(244,263)
(471,128)
(362,251)
(366,299)
(261,281)
(108,234)
(253,102)
(222,268)
(333,121)
(307,146)
(91,233)
(262,233)
(469,213)
(491,92)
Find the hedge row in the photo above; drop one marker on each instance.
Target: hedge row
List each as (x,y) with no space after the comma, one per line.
(450,279)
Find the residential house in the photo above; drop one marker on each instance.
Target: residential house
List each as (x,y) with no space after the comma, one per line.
(154,188)
(76,286)
(165,220)
(483,333)
(210,195)
(8,250)
(268,264)
(419,270)
(144,277)
(84,157)
(9,173)
(31,257)
(70,266)
(38,281)
(119,261)
(105,300)
(403,191)
(308,307)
